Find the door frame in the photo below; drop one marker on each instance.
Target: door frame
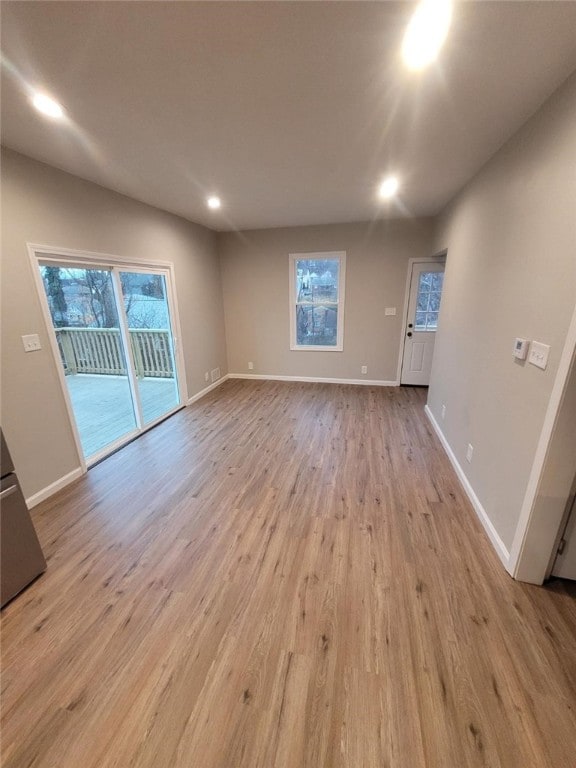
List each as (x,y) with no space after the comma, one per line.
(533,546)
(570,510)
(439,257)
(38,253)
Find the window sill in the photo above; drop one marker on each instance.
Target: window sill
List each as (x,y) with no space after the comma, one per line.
(315,348)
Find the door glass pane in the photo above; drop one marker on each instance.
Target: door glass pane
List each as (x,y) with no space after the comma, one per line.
(420,321)
(151,340)
(426,279)
(85,318)
(434,302)
(437,281)
(428,300)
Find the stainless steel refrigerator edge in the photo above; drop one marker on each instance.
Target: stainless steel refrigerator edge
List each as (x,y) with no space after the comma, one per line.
(21,557)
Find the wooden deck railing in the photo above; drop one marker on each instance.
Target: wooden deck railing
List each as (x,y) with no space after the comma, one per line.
(99,350)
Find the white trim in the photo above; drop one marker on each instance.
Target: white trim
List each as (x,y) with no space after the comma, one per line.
(314,379)
(53,252)
(54,487)
(497,542)
(523,527)
(207,389)
(292,258)
(34,261)
(439,258)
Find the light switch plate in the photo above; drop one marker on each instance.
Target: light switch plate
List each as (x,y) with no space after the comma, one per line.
(538,354)
(389,310)
(31,342)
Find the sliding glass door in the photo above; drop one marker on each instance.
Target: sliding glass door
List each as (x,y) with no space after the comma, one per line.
(152,343)
(113,330)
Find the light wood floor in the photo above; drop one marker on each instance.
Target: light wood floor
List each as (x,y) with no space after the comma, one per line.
(283,575)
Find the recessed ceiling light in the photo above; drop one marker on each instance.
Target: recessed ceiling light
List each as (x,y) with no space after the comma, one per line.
(426,33)
(47,106)
(388,188)
(214,203)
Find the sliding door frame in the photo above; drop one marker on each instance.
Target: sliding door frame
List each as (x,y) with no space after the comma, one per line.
(48,253)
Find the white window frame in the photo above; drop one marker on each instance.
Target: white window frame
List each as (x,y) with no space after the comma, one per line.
(332,255)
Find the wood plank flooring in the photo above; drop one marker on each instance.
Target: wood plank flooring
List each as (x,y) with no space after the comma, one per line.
(283,575)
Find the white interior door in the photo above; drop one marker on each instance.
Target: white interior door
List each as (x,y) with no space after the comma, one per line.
(426,283)
(565,563)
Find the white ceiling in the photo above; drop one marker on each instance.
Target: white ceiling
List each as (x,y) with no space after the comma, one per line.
(292,112)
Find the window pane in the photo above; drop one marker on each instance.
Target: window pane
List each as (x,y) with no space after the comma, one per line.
(316,325)
(422,302)
(317,280)
(425,281)
(428,300)
(437,281)
(316,290)
(434,302)
(421,320)
(145,300)
(80,298)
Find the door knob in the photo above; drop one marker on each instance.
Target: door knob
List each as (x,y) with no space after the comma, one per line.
(410,325)
(409,333)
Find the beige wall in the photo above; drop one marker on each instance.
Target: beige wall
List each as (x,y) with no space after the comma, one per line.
(256,300)
(511,271)
(43,205)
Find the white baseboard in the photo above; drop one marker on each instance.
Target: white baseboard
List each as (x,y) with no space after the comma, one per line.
(314,379)
(51,489)
(207,389)
(497,542)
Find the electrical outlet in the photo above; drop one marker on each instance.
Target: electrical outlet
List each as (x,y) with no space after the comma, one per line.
(443,411)
(206,376)
(250,366)
(388,311)
(31,342)
(469,452)
(364,369)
